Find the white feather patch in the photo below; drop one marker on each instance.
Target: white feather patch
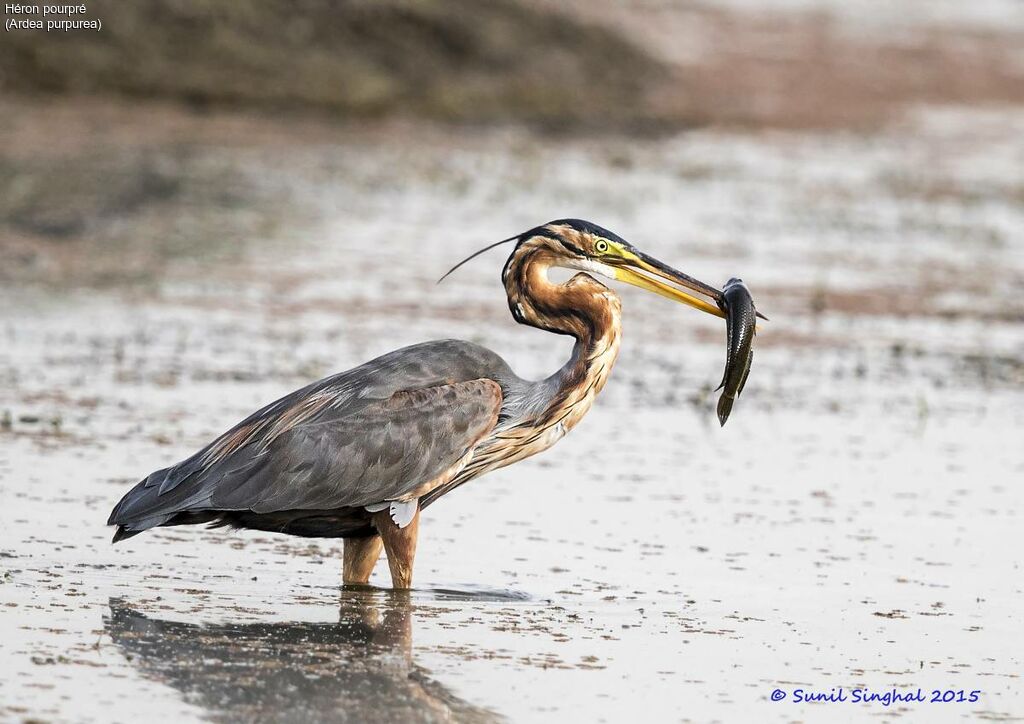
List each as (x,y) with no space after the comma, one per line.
(403,512)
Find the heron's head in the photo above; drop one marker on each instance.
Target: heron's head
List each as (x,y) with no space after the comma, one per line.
(581,245)
(587,247)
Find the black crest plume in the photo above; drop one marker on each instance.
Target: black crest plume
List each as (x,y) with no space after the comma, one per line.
(475,254)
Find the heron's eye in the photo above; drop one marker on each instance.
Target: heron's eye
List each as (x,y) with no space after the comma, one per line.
(601,246)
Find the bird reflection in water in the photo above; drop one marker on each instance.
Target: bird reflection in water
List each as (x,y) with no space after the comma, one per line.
(360,669)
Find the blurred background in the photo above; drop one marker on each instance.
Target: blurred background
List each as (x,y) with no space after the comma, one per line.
(207,204)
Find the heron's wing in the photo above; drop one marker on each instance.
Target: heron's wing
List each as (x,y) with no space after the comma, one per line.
(298,459)
(374,430)
(385,451)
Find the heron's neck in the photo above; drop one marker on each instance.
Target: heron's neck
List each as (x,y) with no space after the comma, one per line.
(582,308)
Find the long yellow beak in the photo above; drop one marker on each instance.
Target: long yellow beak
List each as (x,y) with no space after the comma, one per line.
(630,271)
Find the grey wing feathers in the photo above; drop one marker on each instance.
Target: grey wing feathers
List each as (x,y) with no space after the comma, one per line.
(373,433)
(383,452)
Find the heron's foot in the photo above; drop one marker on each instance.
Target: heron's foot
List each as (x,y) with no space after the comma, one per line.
(361,555)
(399,544)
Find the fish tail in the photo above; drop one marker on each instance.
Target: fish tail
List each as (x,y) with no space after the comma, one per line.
(724,408)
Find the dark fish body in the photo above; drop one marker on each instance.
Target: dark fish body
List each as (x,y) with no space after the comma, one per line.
(740,322)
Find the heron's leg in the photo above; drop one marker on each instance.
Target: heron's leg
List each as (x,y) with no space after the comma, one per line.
(361,556)
(400,546)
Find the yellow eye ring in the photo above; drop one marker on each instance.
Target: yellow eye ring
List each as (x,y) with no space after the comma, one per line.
(601,246)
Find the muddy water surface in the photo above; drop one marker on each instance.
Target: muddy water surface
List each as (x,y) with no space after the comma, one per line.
(856,524)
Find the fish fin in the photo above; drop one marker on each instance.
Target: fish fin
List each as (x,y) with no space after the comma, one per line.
(746,374)
(728,355)
(724,408)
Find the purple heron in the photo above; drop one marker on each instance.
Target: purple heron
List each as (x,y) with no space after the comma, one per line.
(360,454)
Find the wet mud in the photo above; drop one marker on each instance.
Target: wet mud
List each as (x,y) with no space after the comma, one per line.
(853,526)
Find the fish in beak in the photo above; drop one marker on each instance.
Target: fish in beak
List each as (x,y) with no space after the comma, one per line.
(741,325)
(735,304)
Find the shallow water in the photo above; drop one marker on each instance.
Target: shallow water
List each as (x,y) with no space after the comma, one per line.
(856,524)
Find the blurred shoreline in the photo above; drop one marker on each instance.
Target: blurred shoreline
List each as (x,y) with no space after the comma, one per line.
(172,133)
(642,67)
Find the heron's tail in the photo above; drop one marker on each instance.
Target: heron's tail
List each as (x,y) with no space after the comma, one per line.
(130,513)
(143,507)
(121,533)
